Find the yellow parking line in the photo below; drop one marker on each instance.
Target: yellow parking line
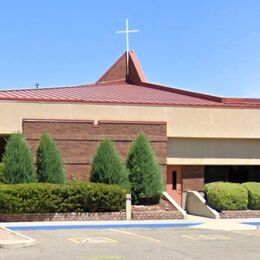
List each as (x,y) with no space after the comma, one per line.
(135,235)
(205,237)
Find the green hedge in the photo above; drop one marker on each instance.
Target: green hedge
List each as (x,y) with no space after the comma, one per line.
(253,189)
(226,196)
(71,197)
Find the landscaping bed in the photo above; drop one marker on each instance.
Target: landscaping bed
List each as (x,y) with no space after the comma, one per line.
(42,193)
(75,201)
(164,205)
(164,210)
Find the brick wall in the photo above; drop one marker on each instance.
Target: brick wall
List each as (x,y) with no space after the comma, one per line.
(193,177)
(28,217)
(240,214)
(146,215)
(77,140)
(89,216)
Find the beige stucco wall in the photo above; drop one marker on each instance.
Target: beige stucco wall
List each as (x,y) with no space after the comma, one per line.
(198,151)
(181,121)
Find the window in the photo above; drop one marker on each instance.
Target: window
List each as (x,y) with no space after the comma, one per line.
(236,174)
(174,180)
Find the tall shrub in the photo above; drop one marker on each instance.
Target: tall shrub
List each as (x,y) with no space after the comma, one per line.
(17,159)
(49,163)
(144,172)
(107,167)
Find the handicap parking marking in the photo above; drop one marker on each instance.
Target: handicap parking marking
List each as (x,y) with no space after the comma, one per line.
(135,235)
(205,237)
(87,240)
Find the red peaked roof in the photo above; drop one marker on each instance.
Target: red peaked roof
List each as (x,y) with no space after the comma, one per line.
(117,87)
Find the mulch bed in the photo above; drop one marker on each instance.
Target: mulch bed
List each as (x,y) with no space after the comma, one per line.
(164,205)
(164,210)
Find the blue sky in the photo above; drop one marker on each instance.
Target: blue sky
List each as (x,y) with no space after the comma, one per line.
(199,45)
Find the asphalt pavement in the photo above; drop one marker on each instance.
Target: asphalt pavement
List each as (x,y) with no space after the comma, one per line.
(139,243)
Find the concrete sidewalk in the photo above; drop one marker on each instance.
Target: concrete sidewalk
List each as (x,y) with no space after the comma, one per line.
(225,224)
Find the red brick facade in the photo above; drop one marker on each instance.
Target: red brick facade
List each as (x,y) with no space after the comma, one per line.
(77,140)
(193,177)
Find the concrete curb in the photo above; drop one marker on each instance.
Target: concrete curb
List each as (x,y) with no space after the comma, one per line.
(100,225)
(16,243)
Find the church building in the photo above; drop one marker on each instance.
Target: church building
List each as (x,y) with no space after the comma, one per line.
(197,138)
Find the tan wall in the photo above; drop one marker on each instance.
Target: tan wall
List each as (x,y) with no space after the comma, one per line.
(181,121)
(195,151)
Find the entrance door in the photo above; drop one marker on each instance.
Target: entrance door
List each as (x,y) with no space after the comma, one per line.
(174,182)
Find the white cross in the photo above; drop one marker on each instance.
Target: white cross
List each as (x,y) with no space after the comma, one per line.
(127,31)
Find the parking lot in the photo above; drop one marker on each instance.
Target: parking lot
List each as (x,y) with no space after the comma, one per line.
(164,243)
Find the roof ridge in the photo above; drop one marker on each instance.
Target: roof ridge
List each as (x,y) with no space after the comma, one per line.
(47,88)
(179,91)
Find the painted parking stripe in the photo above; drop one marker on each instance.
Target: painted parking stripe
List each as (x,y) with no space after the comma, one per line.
(97,226)
(205,237)
(135,235)
(255,223)
(97,240)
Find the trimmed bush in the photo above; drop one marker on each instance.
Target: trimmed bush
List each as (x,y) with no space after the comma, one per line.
(18,161)
(1,172)
(226,196)
(50,198)
(49,162)
(107,167)
(144,172)
(253,189)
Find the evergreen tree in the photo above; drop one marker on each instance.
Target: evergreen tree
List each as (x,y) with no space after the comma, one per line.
(49,162)
(144,172)
(107,167)
(18,161)
(2,167)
